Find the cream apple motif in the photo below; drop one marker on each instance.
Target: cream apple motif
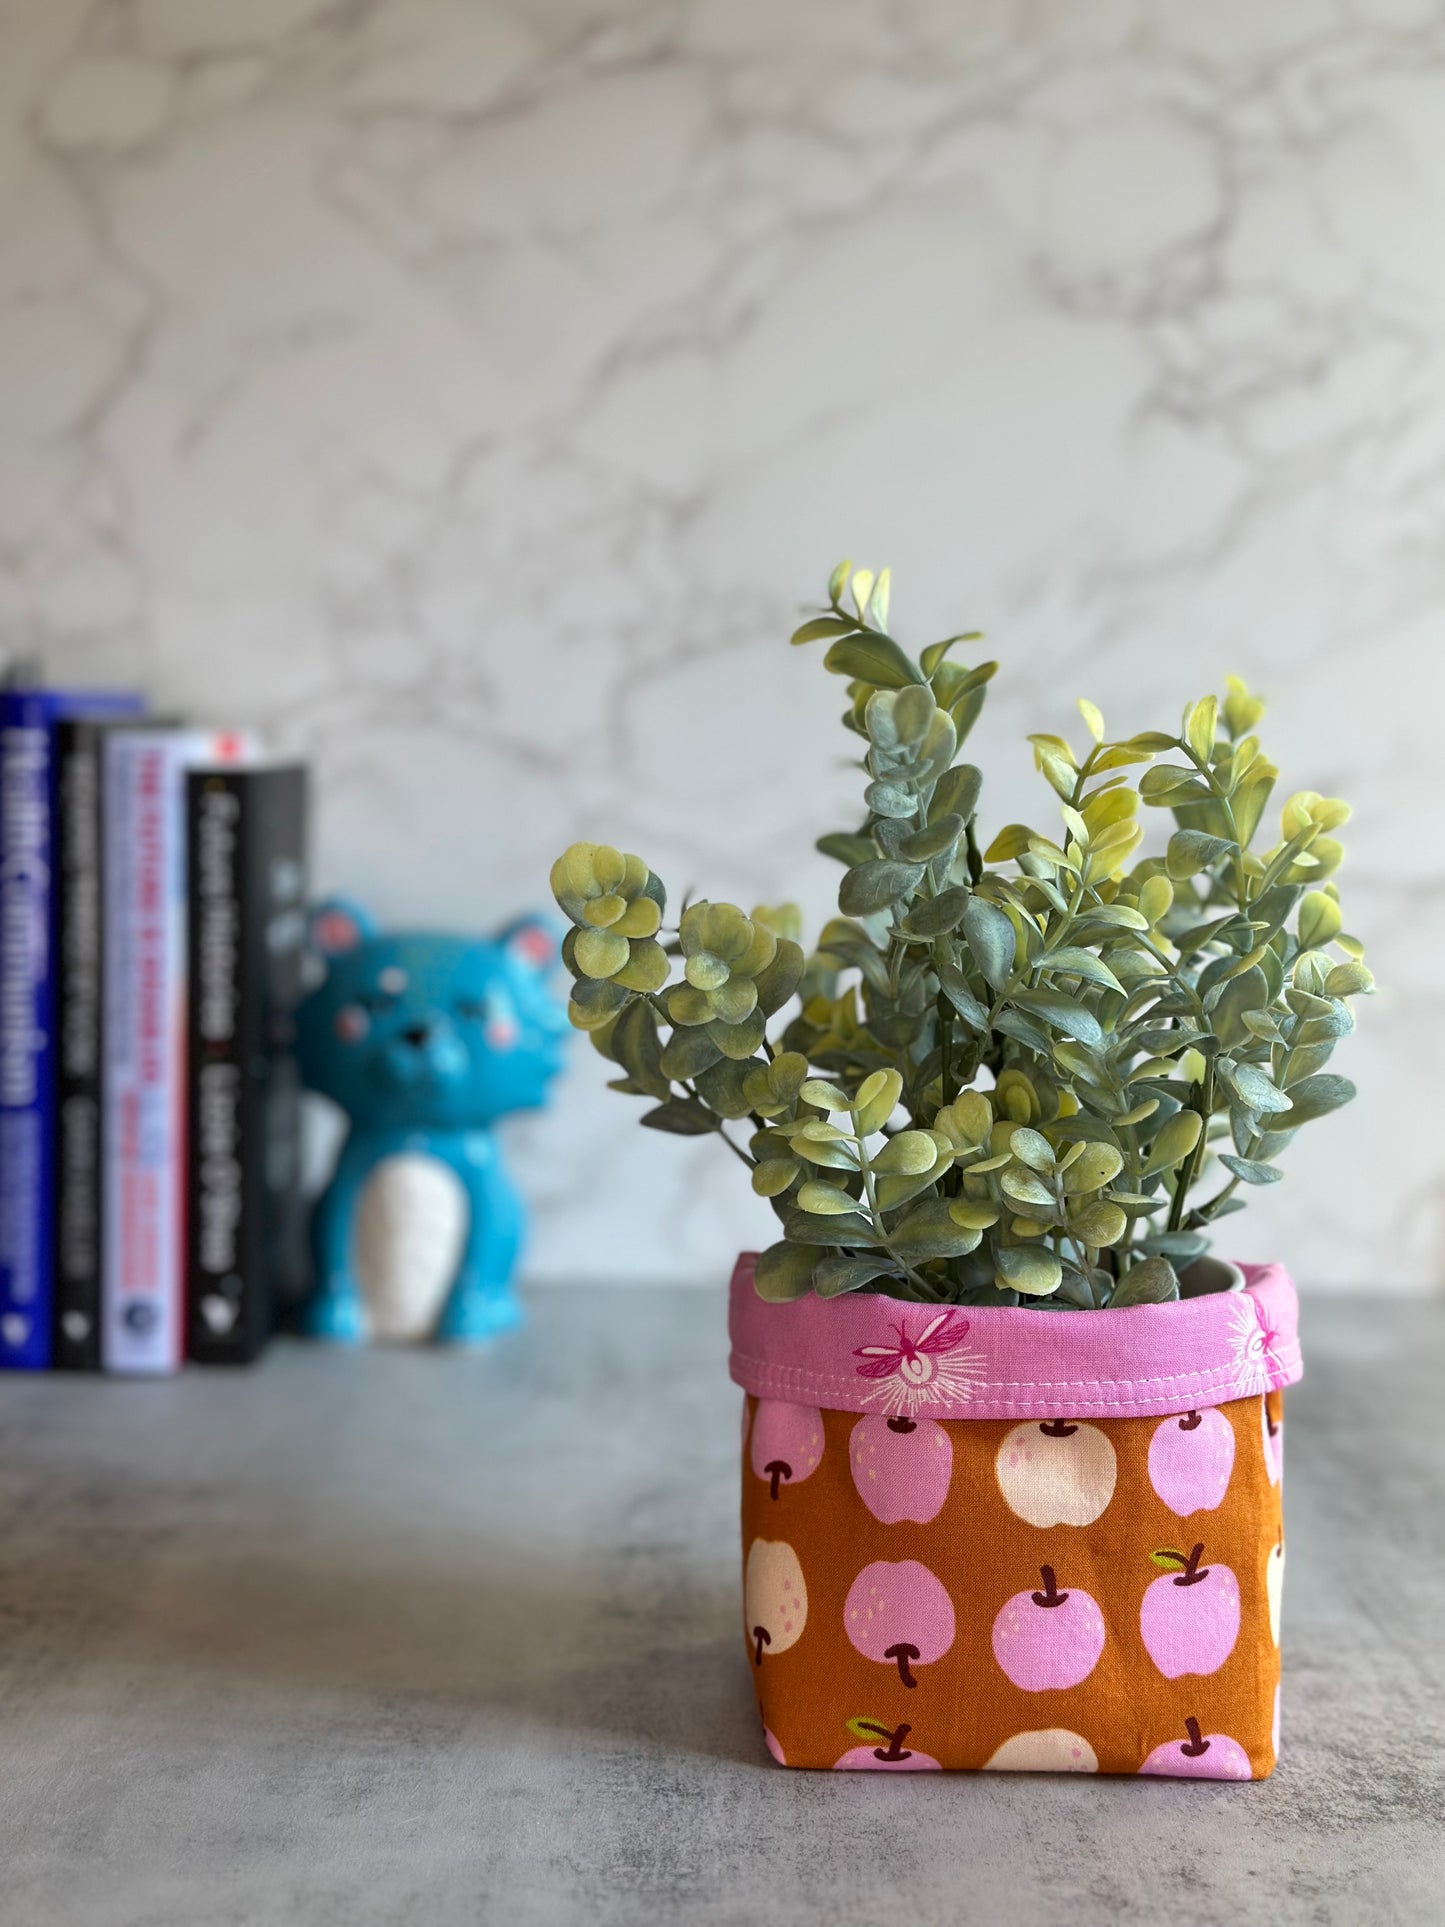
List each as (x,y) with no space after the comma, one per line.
(899,1614)
(1215,1757)
(902,1467)
(1049,1638)
(775,1599)
(1274,1587)
(883,1750)
(1056,1473)
(1191,1456)
(1054,1749)
(787,1442)
(1189,1619)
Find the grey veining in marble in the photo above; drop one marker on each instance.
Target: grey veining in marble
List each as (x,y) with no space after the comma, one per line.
(357,1641)
(468,391)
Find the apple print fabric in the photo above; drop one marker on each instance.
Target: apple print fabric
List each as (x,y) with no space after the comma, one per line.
(1069,1582)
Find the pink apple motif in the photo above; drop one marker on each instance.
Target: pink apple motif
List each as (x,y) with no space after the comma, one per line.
(1057,1473)
(899,1614)
(1048,1639)
(902,1467)
(770,1740)
(1190,1618)
(787,1442)
(1273,1443)
(883,1751)
(1198,1758)
(1190,1460)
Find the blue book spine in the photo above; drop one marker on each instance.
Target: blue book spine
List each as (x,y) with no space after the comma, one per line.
(27,996)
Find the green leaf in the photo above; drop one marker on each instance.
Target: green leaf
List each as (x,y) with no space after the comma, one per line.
(929,1232)
(1315,1097)
(954,986)
(1346,979)
(824,1096)
(877,1100)
(936,838)
(1200,725)
(1191,851)
(1025,1187)
(739,1040)
(1100,1223)
(828,1229)
(1122,914)
(956,792)
(781,978)
(873,659)
(636,1047)
(1093,718)
(1032,1148)
(1173,1141)
(682,1116)
(990,937)
(834,1276)
(1151,1282)
(874,885)
(687,1052)
(1016,1024)
(720,1087)
(784,1272)
(823,628)
(772,1176)
(1096,1165)
(1170,1560)
(936,916)
(1029,1269)
(1081,963)
(1064,1013)
(825,1200)
(1253,1089)
(934,654)
(1251,1170)
(907,1155)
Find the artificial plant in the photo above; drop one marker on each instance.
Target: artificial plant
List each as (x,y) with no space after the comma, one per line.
(1042,1069)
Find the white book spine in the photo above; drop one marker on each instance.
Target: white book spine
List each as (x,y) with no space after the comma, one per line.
(143,1080)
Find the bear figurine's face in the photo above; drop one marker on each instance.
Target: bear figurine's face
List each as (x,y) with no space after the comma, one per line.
(437,1031)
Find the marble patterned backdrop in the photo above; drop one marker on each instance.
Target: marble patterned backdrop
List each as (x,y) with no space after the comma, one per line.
(467,394)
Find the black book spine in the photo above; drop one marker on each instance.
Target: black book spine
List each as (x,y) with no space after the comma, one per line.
(246,834)
(79,747)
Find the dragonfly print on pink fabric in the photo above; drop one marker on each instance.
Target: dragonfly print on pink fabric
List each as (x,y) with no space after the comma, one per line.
(934,1368)
(1257,1363)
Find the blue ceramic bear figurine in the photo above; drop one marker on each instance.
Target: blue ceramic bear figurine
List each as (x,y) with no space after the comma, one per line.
(424,1041)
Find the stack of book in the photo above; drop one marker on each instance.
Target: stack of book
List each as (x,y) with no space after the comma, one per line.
(152,923)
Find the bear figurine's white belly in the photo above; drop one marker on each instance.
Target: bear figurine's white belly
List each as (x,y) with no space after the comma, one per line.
(411,1227)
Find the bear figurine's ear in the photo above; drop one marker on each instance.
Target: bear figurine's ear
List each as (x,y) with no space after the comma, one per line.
(337,926)
(533,941)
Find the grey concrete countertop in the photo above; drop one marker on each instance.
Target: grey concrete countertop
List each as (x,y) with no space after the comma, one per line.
(399,1637)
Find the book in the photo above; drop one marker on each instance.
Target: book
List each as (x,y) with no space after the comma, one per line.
(28,723)
(79,744)
(247,855)
(143,1070)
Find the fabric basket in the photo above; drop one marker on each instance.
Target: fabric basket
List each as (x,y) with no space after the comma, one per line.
(1006,1538)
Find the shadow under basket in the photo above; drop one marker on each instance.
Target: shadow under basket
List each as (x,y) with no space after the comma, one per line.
(996,1537)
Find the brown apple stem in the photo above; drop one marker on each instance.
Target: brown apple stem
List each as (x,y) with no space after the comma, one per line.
(904,1425)
(1057,1428)
(1197,1745)
(1050,1596)
(1273,1427)
(903,1653)
(1190,1422)
(1193,1572)
(761,1637)
(776,1470)
(896,1749)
